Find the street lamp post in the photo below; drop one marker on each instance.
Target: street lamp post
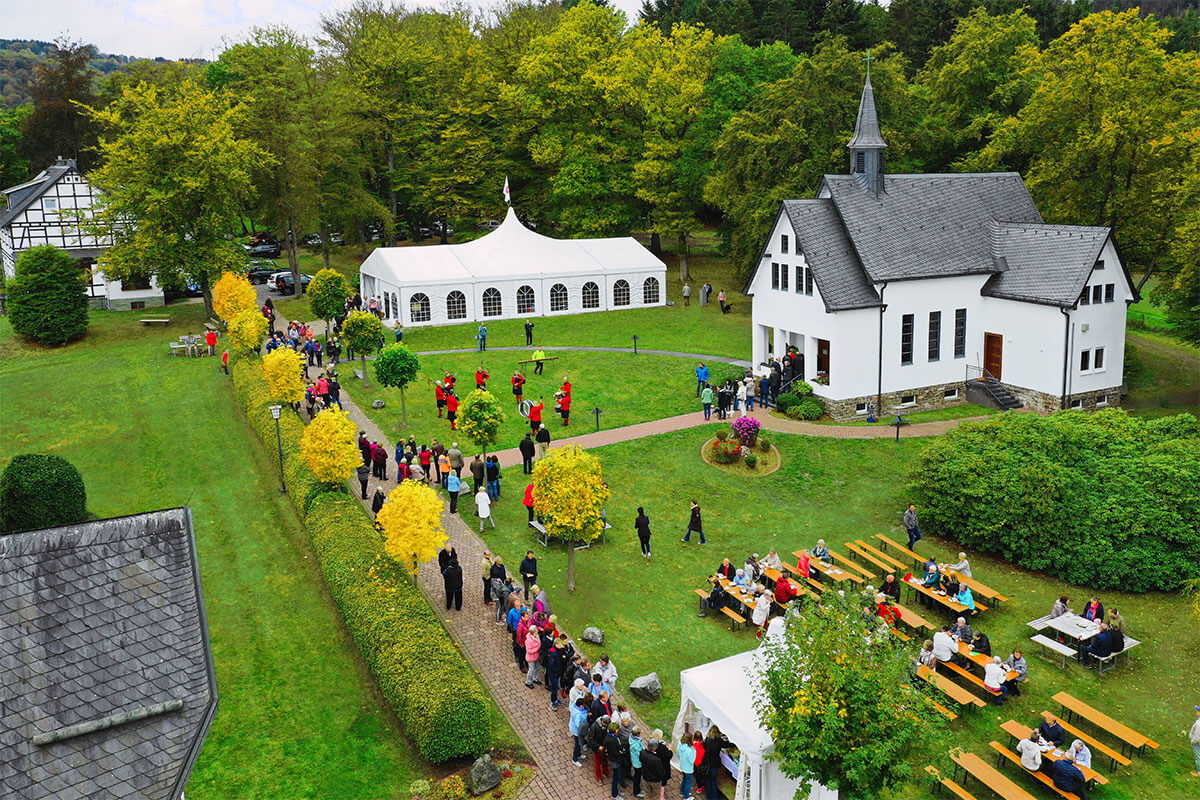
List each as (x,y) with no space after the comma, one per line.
(635,338)
(276,412)
(596,411)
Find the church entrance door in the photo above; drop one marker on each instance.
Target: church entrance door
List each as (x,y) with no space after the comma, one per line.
(993,346)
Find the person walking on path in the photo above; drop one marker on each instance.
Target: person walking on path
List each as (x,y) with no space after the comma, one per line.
(485,567)
(492,465)
(453,578)
(529,570)
(483,507)
(527,449)
(911,526)
(1194,737)
(642,526)
(481,336)
(543,442)
(364,475)
(378,500)
(701,377)
(694,524)
(528,333)
(721,299)
(225,362)
(706,400)
(687,295)
(456,459)
(453,485)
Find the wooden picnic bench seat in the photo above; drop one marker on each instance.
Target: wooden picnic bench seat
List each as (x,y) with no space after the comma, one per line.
(855,569)
(1041,777)
(989,776)
(1064,650)
(1017,732)
(912,619)
(1040,623)
(1129,736)
(970,676)
(955,789)
(703,595)
(901,635)
(734,618)
(941,709)
(863,555)
(875,552)
(1113,756)
(886,542)
(979,588)
(154,321)
(948,687)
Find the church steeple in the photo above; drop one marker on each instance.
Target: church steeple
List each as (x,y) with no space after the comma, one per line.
(867,146)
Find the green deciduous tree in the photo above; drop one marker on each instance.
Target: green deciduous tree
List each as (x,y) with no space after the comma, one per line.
(174,177)
(47,301)
(397,366)
(59,126)
(569,494)
(327,295)
(480,417)
(14,164)
(840,704)
(363,333)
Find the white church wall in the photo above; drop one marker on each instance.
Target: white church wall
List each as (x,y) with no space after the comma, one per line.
(919,298)
(1032,353)
(1100,325)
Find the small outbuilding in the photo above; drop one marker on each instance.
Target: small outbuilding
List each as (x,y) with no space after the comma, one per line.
(509,273)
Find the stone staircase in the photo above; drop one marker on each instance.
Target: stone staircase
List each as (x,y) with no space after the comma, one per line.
(992,393)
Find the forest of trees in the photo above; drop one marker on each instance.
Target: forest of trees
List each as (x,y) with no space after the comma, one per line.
(393,117)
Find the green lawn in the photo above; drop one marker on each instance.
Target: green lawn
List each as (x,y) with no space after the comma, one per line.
(299,716)
(1163,374)
(839,490)
(626,388)
(1144,314)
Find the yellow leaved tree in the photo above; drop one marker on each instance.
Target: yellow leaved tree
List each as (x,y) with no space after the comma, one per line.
(328,447)
(569,494)
(232,294)
(282,370)
(247,329)
(411,520)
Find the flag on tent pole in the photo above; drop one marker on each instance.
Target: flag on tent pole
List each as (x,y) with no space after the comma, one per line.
(506,193)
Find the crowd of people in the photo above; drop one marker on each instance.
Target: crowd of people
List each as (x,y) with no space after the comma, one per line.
(1064,772)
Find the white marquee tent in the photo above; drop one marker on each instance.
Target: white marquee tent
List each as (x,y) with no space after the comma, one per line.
(721,693)
(511,272)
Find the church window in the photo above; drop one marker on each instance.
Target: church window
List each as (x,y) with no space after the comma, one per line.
(558,297)
(418,307)
(799,278)
(783,243)
(650,291)
(621,293)
(591,295)
(1110,291)
(935,335)
(960,333)
(808,282)
(456,305)
(783,277)
(774,276)
(493,305)
(525,301)
(906,339)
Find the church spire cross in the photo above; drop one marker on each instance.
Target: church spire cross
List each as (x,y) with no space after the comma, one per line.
(869,58)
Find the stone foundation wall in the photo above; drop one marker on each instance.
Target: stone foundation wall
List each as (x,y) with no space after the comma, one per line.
(927,398)
(126,304)
(1044,403)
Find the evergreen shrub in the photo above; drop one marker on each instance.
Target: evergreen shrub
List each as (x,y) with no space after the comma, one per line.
(39,490)
(47,301)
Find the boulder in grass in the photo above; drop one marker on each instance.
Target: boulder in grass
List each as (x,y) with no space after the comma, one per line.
(484,775)
(593,635)
(647,687)
(378,404)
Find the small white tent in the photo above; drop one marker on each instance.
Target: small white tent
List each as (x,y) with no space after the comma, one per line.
(511,272)
(721,693)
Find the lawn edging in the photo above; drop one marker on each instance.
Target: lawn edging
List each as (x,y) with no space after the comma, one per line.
(420,670)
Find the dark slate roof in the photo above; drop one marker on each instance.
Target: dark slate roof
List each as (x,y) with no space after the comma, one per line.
(1046,264)
(866,127)
(839,275)
(21,199)
(929,226)
(96,620)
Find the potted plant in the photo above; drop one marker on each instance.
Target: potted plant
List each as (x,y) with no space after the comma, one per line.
(746,430)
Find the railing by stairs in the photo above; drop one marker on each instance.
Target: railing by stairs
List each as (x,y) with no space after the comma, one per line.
(983,381)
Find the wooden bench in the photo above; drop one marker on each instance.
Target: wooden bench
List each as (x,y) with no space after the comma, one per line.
(886,542)
(955,789)
(1017,732)
(1130,737)
(901,635)
(703,596)
(854,568)
(1040,623)
(858,552)
(978,588)
(734,618)
(1064,650)
(875,552)
(913,620)
(1114,757)
(948,687)
(1041,777)
(212,327)
(970,676)
(941,709)
(989,776)
(154,321)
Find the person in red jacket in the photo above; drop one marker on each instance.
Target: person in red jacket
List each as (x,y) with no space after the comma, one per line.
(518,386)
(225,362)
(565,406)
(566,387)
(535,415)
(481,376)
(210,339)
(452,410)
(528,501)
(888,612)
(440,394)
(784,591)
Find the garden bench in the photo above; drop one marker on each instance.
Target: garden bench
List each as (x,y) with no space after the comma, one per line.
(154,321)
(989,776)
(213,328)
(904,637)
(941,709)
(703,596)
(886,542)
(1130,737)
(858,552)
(1064,650)
(734,618)
(854,568)
(955,789)
(948,687)
(1040,623)
(1114,757)
(875,552)
(970,676)
(1041,777)
(178,349)
(1111,658)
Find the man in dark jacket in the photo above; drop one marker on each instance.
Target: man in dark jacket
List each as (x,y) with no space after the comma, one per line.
(379,458)
(364,446)
(616,751)
(664,755)
(1052,732)
(694,525)
(543,438)
(1102,645)
(597,732)
(529,571)
(652,765)
(527,449)
(445,555)
(1069,777)
(378,500)
(716,599)
(478,471)
(554,670)
(364,475)
(453,578)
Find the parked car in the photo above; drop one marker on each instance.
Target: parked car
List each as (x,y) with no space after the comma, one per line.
(260,271)
(267,249)
(336,238)
(437,226)
(282,282)
(193,290)
(311,240)
(258,237)
(490,224)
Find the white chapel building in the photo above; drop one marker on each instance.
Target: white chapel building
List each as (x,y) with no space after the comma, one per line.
(901,292)
(41,211)
(511,272)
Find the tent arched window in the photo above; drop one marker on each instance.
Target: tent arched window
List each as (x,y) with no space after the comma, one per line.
(418,307)
(493,306)
(650,291)
(621,293)
(558,297)
(591,295)
(525,300)
(387,308)
(456,305)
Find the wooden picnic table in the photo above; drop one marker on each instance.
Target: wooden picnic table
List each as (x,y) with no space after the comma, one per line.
(952,605)
(1018,731)
(975,586)
(833,573)
(855,569)
(871,550)
(979,659)
(913,619)
(734,591)
(948,687)
(1123,732)
(886,542)
(862,555)
(989,776)
(772,575)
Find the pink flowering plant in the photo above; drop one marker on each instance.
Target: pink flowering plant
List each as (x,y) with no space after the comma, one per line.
(746,429)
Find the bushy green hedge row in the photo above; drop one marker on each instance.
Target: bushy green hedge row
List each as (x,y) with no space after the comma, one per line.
(1105,500)
(420,670)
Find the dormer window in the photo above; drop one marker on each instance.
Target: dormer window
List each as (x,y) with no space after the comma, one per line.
(783,243)
(1099,264)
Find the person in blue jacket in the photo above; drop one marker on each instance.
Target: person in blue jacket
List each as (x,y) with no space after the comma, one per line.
(578,728)
(701,377)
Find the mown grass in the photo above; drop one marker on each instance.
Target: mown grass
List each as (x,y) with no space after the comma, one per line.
(839,490)
(298,716)
(1163,374)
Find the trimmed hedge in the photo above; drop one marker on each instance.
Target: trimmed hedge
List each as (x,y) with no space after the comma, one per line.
(39,490)
(1105,500)
(420,670)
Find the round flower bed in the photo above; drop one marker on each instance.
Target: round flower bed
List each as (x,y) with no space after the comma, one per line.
(729,455)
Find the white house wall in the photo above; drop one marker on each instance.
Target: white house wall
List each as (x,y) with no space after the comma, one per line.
(1032,354)
(1105,327)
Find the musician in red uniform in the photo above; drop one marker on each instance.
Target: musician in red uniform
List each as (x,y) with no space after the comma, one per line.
(452,410)
(535,415)
(518,384)
(440,394)
(481,376)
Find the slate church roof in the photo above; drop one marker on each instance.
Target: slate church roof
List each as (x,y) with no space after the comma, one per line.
(107,687)
(22,196)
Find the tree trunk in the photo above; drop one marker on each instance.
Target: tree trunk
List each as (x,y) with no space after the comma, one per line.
(656,244)
(443,231)
(363,356)
(293,260)
(325,244)
(391,162)
(403,410)
(570,566)
(206,291)
(684,275)
(362,241)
